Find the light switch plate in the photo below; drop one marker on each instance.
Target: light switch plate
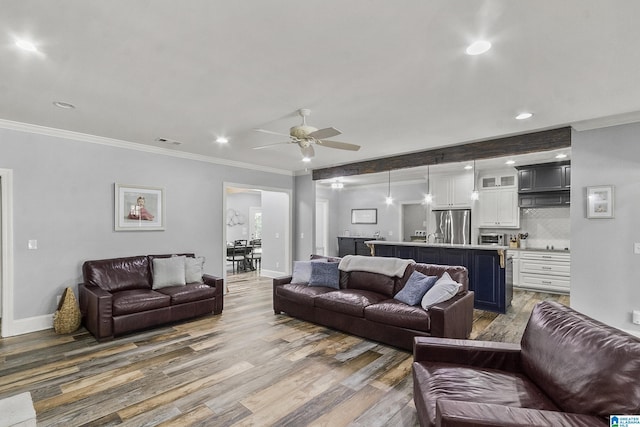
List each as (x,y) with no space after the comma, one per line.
(32,244)
(636,248)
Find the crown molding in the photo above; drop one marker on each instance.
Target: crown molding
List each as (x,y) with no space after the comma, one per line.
(118,143)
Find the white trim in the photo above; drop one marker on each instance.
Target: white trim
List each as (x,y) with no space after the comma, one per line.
(273,273)
(32,324)
(630,332)
(83,137)
(6,222)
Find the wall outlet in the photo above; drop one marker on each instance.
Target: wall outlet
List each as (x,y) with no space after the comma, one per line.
(302,235)
(277,235)
(58,298)
(277,264)
(636,317)
(390,233)
(636,248)
(32,244)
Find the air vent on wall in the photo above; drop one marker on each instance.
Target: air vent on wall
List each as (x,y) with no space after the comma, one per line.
(168,141)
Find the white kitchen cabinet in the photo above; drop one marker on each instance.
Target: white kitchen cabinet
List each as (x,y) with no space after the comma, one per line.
(502,180)
(498,208)
(515,257)
(545,271)
(451,191)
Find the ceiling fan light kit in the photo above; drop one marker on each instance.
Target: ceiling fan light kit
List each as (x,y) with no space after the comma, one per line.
(306,136)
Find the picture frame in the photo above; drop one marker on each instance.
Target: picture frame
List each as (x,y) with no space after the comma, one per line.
(138,208)
(364,216)
(600,202)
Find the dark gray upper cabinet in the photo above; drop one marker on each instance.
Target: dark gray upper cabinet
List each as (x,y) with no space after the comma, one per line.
(545,177)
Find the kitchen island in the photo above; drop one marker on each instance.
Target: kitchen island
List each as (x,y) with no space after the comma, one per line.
(490,269)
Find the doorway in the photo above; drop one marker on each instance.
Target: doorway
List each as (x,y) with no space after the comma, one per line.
(6,252)
(255,212)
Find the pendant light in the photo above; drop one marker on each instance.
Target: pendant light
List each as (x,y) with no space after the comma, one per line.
(428,198)
(389,199)
(474,194)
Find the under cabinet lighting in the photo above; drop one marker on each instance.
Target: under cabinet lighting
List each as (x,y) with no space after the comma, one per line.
(561,156)
(510,162)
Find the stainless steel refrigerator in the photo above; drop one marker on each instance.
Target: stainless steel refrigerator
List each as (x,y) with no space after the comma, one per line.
(453,226)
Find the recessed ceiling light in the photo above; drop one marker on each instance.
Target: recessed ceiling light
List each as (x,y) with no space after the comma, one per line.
(26,45)
(64,105)
(510,162)
(478,47)
(561,156)
(468,167)
(523,116)
(306,159)
(222,140)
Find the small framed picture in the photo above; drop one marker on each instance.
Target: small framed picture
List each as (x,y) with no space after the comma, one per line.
(364,216)
(600,202)
(138,208)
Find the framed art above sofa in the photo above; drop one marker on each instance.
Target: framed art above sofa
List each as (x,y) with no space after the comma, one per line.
(138,208)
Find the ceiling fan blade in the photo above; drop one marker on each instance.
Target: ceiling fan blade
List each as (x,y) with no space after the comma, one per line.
(260,147)
(325,133)
(338,145)
(270,132)
(308,151)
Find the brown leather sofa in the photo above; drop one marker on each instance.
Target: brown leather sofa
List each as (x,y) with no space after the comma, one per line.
(569,370)
(364,306)
(116,296)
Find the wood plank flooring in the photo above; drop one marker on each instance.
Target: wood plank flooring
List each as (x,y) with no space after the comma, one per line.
(245,367)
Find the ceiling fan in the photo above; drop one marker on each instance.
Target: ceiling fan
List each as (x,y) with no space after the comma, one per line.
(307,136)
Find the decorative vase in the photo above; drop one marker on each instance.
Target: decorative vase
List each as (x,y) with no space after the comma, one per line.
(67,318)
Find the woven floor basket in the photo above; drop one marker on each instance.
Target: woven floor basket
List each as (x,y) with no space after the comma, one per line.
(67,318)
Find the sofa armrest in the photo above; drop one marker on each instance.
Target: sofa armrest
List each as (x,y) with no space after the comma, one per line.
(96,306)
(282,280)
(479,354)
(218,284)
(453,318)
(452,413)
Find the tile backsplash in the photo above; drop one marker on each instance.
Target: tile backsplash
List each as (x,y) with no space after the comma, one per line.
(546,227)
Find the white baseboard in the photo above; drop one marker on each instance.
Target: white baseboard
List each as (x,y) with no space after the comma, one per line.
(635,333)
(272,273)
(30,324)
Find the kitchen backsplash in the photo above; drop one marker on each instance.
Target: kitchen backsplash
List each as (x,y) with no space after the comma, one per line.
(546,227)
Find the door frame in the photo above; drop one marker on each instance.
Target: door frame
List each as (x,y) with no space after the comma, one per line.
(6,249)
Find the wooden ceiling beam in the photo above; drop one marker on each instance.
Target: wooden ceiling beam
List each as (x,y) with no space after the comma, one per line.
(507,146)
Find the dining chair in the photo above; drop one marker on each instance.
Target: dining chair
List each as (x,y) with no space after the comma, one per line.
(256,253)
(237,255)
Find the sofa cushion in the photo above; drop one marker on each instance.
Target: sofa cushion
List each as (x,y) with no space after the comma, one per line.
(396,313)
(348,301)
(138,300)
(457,272)
(445,381)
(193,269)
(373,282)
(118,274)
(443,290)
(415,288)
(325,274)
(168,272)
(585,366)
(188,293)
(301,293)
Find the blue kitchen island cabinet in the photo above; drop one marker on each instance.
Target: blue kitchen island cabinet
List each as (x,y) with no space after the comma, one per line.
(489,268)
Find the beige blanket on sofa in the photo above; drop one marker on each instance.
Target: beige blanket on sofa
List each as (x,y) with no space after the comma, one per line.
(388,266)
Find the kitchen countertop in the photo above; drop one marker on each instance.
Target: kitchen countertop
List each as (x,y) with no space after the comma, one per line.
(438,245)
(562,250)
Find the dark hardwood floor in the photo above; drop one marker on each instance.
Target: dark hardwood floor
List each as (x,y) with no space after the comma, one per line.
(244,367)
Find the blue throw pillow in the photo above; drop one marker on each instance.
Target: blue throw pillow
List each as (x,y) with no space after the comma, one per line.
(415,288)
(325,274)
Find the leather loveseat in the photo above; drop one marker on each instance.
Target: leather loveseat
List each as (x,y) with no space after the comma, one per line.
(118,295)
(364,305)
(568,370)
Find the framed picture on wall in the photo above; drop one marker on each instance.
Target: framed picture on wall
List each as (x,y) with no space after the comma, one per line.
(600,202)
(138,208)
(364,216)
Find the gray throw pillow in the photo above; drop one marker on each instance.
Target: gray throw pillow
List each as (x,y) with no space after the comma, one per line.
(302,271)
(417,285)
(325,274)
(168,272)
(193,269)
(443,290)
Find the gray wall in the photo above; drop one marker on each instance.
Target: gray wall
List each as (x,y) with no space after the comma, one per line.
(604,269)
(276,238)
(63,197)
(241,202)
(305,217)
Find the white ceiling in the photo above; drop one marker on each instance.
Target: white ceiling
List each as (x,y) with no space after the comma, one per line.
(392,76)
